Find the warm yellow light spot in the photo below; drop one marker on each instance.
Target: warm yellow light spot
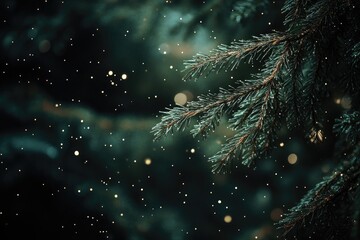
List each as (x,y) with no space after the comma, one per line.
(282,144)
(338,101)
(147,161)
(227,219)
(180,99)
(76,153)
(292,158)
(110,73)
(192,150)
(123,76)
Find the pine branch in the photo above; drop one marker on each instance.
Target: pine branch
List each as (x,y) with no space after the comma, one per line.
(344,180)
(348,127)
(249,140)
(254,128)
(295,10)
(350,79)
(178,117)
(314,90)
(355,52)
(294,87)
(230,56)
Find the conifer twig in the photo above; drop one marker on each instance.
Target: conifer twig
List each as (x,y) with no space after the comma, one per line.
(342,181)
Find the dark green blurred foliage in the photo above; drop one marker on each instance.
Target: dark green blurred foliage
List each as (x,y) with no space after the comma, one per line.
(75,139)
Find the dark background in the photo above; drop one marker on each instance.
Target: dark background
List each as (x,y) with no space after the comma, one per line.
(77,159)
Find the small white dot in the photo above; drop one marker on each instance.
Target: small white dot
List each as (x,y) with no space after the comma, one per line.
(76,153)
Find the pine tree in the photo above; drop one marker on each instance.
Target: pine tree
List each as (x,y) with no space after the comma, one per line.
(316,57)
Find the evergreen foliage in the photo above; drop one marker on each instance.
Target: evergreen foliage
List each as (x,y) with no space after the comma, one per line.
(315,58)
